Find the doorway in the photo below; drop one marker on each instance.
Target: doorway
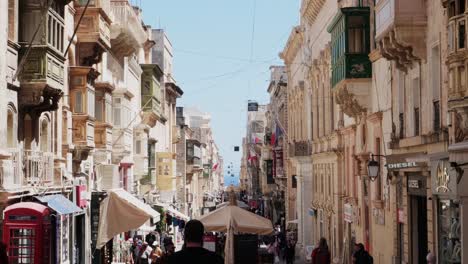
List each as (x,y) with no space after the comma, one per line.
(418,209)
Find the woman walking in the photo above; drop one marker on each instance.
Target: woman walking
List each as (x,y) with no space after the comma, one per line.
(321,254)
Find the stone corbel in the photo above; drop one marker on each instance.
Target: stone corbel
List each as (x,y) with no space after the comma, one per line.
(348,103)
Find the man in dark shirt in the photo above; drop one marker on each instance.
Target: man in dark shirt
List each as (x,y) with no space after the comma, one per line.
(193,251)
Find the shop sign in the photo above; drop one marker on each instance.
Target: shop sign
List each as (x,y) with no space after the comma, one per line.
(209,204)
(209,242)
(348,213)
(81,195)
(443,178)
(414,184)
(401,165)
(401,216)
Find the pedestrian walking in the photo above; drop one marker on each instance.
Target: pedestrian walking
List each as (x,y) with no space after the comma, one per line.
(157,253)
(321,254)
(361,256)
(144,254)
(193,251)
(290,251)
(273,250)
(170,249)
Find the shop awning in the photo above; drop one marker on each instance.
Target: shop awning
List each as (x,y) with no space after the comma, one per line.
(121,212)
(60,204)
(173,211)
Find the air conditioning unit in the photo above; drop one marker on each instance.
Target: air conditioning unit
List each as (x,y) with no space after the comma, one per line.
(108,177)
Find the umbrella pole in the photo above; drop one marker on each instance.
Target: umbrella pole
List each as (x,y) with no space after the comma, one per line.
(229,246)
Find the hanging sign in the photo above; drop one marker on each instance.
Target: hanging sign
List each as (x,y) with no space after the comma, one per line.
(348,213)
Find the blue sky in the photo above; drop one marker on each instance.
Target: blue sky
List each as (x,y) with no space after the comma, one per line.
(216,62)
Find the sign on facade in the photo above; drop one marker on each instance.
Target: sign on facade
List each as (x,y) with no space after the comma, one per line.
(401,165)
(164,173)
(348,213)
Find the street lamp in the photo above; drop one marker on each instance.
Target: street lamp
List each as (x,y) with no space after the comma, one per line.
(373,168)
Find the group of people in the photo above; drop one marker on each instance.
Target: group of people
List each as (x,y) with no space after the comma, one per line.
(150,252)
(283,247)
(321,254)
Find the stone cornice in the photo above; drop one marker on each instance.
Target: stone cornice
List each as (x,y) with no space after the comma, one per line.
(293,45)
(310,10)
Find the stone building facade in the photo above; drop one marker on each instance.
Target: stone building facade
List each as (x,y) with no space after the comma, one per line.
(379,82)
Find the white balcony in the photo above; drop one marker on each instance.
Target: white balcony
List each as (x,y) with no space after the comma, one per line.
(27,168)
(126,75)
(127,33)
(401,30)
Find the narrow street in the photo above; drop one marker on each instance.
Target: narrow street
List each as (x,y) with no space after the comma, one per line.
(142,131)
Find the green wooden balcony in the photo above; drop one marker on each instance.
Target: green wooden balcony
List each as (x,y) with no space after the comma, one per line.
(350,44)
(151,94)
(351,66)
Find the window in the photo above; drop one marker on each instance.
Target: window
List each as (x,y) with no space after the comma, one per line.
(100,111)
(461,34)
(416,106)
(401,119)
(44,136)
(294,181)
(11,129)
(117,121)
(356,34)
(138,147)
(416,122)
(91,102)
(436,106)
(11,20)
(78,102)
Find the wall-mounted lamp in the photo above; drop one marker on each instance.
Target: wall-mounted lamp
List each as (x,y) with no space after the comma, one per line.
(373,168)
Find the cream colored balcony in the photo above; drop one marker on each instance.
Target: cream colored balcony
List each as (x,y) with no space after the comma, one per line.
(94,30)
(82,101)
(103,124)
(127,33)
(401,30)
(126,75)
(38,168)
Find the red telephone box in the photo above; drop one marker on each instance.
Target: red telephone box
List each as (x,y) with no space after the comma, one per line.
(27,232)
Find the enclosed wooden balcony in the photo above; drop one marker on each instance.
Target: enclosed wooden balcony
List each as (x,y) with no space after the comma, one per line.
(127,32)
(151,94)
(82,101)
(351,67)
(300,149)
(94,30)
(401,30)
(103,115)
(42,78)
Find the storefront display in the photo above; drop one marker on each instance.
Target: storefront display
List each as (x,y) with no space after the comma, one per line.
(449,232)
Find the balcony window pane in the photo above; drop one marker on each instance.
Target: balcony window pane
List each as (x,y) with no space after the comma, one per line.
(416,121)
(99,110)
(108,111)
(78,102)
(461,34)
(90,102)
(117,117)
(356,34)
(436,116)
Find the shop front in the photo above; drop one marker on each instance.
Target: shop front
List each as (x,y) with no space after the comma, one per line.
(449,223)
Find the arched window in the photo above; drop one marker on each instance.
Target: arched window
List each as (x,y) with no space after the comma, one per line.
(44,134)
(11,126)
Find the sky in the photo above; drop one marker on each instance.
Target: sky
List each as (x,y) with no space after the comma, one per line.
(222,53)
